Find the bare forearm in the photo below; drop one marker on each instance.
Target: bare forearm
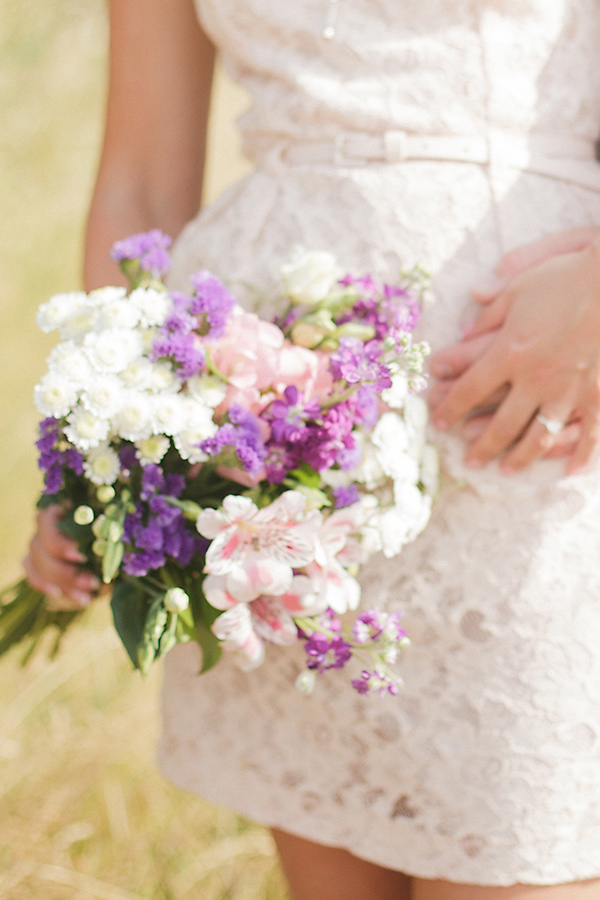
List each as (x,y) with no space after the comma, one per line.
(151,168)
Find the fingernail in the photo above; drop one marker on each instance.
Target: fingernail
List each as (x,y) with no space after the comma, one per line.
(474,462)
(81,597)
(473,430)
(467,329)
(506,469)
(73,555)
(440,424)
(53,591)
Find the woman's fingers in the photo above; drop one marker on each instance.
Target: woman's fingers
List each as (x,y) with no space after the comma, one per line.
(52,565)
(454,360)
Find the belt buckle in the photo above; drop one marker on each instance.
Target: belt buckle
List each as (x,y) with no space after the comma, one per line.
(342,154)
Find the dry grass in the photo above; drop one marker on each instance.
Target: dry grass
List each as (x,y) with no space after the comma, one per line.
(84,813)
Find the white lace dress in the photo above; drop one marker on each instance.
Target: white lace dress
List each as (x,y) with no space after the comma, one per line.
(443,132)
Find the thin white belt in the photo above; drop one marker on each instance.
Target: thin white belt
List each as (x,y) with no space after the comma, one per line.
(568,158)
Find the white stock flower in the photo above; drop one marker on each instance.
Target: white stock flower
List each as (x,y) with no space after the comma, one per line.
(58,309)
(396,395)
(310,275)
(152,449)
(209,389)
(391,440)
(85,430)
(134,421)
(113,350)
(154,305)
(55,395)
(102,395)
(102,465)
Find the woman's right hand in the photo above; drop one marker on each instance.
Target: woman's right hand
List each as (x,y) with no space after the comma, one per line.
(53,565)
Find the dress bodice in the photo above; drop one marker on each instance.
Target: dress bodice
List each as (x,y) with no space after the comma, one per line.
(425,66)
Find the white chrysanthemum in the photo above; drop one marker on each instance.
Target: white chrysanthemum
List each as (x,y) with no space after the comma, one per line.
(163,379)
(138,374)
(103,395)
(55,395)
(118,314)
(171,413)
(152,449)
(85,430)
(78,325)
(134,420)
(310,275)
(209,389)
(58,309)
(105,295)
(113,350)
(69,360)
(198,426)
(369,471)
(102,465)
(154,305)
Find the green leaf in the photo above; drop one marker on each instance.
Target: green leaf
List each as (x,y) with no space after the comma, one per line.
(204,615)
(130,603)
(307,476)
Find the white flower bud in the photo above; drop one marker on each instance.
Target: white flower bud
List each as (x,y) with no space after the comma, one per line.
(176,600)
(84,515)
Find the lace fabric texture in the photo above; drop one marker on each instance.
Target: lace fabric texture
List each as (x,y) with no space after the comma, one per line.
(486,767)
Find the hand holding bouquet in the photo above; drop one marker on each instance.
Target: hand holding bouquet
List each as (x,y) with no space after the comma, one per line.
(228,475)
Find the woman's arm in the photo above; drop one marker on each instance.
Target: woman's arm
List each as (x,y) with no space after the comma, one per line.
(150,176)
(151,167)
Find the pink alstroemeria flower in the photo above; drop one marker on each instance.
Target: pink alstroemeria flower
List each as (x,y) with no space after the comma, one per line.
(258,549)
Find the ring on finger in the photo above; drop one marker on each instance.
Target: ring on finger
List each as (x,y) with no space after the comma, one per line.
(553,426)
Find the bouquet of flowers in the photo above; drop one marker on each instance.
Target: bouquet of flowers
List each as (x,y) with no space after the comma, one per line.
(228,475)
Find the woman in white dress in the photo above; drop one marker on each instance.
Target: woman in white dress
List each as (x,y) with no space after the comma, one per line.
(459,134)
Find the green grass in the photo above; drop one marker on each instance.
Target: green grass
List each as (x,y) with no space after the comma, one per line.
(84,812)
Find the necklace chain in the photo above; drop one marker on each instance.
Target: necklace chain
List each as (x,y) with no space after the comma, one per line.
(332,15)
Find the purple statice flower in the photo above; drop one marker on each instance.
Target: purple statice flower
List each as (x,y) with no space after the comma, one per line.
(180,320)
(182,349)
(376,682)
(55,459)
(360,363)
(156,531)
(345,495)
(242,434)
(148,248)
(128,458)
(211,302)
(289,415)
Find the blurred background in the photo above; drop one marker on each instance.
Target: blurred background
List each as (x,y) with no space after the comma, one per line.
(84,812)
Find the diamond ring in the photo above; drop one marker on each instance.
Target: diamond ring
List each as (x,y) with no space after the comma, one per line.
(551,425)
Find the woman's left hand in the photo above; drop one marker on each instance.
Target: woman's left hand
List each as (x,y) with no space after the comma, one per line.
(533,349)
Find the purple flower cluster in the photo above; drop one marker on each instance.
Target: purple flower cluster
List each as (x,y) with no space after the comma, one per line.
(212,303)
(303,433)
(149,249)
(375,681)
(375,625)
(157,531)
(242,434)
(178,340)
(397,310)
(357,362)
(326,648)
(54,460)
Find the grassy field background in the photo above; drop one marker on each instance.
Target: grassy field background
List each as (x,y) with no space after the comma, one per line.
(84,813)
